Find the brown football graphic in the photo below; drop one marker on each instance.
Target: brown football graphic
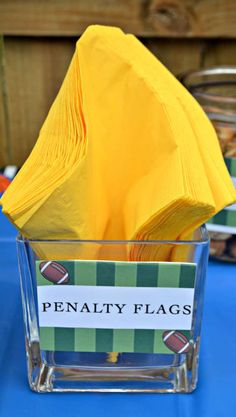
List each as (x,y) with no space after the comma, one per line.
(176,341)
(54,272)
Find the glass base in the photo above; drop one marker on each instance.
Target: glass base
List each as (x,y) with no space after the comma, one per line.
(92,372)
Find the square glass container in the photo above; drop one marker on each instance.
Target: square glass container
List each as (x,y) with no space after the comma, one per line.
(62,371)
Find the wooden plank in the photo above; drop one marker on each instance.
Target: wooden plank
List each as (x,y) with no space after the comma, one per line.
(191,18)
(5,151)
(162,18)
(34,70)
(220,53)
(177,55)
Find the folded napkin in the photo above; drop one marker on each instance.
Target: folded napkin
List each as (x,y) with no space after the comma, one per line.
(124,153)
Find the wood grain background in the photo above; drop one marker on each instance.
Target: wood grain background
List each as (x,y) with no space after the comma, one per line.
(37,40)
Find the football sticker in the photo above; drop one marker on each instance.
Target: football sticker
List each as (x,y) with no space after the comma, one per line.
(54,272)
(176,341)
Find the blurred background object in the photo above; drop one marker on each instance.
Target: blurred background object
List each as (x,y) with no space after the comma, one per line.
(215,90)
(6,176)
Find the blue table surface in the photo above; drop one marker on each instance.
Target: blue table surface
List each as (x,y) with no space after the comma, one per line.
(214,397)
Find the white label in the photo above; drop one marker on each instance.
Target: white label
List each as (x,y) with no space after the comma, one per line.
(221,228)
(115,307)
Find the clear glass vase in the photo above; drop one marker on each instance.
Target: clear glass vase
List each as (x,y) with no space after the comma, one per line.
(215,90)
(145,354)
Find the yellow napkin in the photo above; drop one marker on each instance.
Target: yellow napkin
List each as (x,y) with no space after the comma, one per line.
(125,153)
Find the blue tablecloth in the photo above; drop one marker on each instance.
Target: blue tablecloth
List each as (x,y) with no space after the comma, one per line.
(214,397)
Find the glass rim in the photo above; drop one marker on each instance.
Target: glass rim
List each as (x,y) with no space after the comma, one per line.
(202,229)
(190,80)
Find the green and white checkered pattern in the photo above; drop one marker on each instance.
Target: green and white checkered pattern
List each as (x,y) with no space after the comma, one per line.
(124,274)
(231,165)
(226,217)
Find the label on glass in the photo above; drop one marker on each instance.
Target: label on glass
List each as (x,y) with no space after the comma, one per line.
(225,220)
(104,306)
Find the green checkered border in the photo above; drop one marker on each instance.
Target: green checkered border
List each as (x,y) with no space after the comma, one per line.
(124,274)
(226,217)
(231,165)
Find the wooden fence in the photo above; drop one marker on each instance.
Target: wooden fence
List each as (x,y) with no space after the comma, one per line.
(37,40)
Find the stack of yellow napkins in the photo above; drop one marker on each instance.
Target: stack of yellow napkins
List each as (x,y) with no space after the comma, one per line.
(125,153)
